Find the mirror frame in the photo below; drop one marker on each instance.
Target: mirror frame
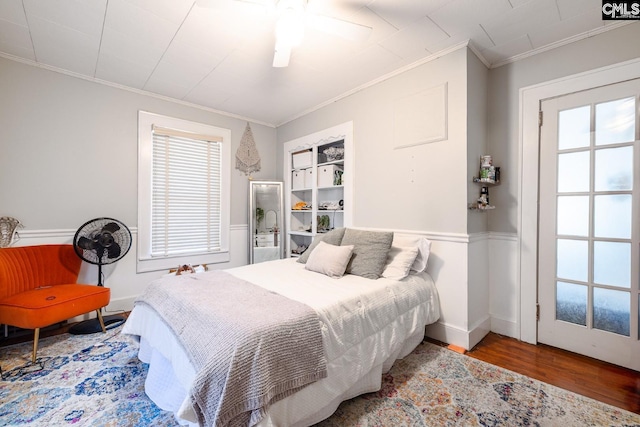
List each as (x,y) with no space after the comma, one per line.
(254,187)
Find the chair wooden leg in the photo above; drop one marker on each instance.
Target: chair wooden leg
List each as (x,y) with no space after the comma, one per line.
(99,313)
(36,335)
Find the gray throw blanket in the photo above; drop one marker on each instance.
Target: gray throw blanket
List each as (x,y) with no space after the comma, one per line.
(250,347)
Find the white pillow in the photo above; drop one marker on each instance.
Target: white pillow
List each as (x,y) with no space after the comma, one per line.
(329,259)
(422,243)
(399,262)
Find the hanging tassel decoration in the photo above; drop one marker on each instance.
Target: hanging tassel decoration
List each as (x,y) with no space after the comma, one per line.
(247,156)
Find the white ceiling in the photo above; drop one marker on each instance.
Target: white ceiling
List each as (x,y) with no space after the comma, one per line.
(221,58)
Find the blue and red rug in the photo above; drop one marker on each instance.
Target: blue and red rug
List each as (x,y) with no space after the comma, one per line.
(97,380)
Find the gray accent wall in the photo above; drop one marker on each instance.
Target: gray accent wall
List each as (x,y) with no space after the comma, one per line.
(477,78)
(505,83)
(423,187)
(69,148)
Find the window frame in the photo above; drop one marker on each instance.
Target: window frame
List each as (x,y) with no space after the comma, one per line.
(144,261)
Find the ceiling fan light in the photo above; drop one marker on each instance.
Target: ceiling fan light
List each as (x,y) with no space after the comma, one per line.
(290,28)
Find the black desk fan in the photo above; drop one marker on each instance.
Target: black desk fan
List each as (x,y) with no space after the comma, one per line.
(101,241)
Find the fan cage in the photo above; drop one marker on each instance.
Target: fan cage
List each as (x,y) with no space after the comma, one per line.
(90,229)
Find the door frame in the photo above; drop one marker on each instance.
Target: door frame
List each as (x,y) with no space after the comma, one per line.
(529,146)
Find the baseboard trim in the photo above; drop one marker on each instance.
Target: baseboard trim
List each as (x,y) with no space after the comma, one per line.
(458,337)
(480,331)
(120,305)
(505,327)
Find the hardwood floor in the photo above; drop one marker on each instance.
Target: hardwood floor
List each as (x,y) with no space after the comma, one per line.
(589,377)
(583,375)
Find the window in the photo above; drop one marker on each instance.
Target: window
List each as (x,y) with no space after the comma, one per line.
(183,192)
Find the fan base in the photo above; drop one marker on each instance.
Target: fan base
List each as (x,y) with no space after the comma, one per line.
(92,326)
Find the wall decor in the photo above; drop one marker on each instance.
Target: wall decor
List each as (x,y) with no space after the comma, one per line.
(421,118)
(247,156)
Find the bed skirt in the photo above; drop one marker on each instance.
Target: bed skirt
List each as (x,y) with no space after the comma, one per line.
(167,382)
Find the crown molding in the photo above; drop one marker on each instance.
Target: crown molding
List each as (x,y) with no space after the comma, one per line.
(132,90)
(564,42)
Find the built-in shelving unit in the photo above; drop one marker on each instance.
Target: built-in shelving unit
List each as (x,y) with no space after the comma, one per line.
(318,191)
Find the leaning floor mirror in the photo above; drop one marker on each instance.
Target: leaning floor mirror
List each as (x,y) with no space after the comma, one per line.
(265,221)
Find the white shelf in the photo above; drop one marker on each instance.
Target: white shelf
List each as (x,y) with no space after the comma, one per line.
(334,162)
(485,181)
(341,137)
(474,207)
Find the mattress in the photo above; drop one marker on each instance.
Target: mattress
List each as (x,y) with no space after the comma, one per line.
(366,325)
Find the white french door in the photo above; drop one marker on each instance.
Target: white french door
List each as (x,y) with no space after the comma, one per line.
(589,227)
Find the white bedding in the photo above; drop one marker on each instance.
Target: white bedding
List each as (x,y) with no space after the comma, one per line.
(366,325)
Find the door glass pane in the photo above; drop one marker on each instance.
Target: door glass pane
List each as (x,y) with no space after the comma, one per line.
(571,303)
(573,215)
(612,263)
(574,128)
(573,172)
(612,216)
(614,169)
(611,310)
(573,259)
(615,121)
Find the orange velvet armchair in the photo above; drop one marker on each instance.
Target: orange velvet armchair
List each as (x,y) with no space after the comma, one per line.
(38,288)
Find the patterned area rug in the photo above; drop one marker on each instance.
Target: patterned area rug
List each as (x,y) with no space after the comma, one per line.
(87,380)
(97,380)
(434,386)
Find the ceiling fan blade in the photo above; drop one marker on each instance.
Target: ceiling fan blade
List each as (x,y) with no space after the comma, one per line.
(345,29)
(282,55)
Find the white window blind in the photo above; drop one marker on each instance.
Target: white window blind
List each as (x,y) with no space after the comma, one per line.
(186,193)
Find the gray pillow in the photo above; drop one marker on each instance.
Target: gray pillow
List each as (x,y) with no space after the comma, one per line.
(370,249)
(330,260)
(334,237)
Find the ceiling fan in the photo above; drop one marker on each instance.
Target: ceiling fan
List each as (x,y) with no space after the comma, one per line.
(293,16)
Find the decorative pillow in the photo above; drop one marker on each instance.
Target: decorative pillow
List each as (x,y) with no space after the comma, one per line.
(424,248)
(399,262)
(329,259)
(369,252)
(334,237)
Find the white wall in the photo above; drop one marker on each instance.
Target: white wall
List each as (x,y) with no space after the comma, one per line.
(69,152)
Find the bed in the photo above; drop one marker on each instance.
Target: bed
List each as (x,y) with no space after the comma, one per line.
(364,325)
